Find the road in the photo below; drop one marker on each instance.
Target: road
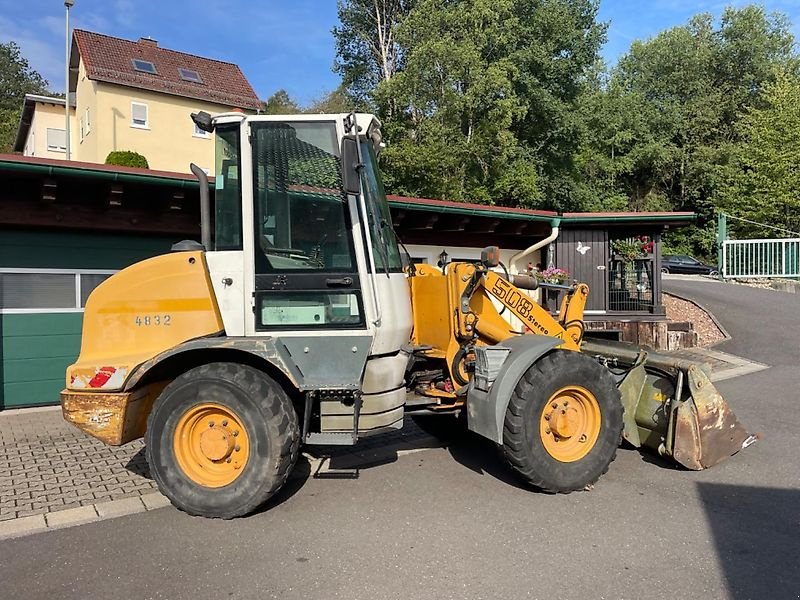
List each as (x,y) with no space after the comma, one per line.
(453,523)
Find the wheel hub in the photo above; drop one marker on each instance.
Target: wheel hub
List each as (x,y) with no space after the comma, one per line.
(566,422)
(211,445)
(570,423)
(217,443)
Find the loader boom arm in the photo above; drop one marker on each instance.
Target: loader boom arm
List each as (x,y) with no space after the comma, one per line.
(568,327)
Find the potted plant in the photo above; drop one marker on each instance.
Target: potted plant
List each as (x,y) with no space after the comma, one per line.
(630,249)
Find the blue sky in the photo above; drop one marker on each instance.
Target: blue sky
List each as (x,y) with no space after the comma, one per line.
(280,44)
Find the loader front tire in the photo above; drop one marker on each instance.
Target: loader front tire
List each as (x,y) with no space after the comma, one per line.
(563,423)
(221,440)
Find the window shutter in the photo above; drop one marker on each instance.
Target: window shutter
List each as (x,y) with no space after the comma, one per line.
(139,113)
(56,139)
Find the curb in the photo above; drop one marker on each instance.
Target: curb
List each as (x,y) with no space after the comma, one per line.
(711,316)
(61,519)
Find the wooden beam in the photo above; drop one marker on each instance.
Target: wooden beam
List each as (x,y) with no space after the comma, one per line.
(483,225)
(422,223)
(454,224)
(115,194)
(49,189)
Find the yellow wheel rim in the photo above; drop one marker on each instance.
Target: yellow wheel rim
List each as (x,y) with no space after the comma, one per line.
(570,423)
(211,445)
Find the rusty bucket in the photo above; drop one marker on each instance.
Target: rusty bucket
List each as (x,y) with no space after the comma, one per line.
(671,406)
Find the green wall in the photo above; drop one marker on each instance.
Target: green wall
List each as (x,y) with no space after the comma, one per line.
(35,349)
(72,250)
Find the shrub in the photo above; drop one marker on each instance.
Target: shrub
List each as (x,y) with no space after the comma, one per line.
(126,158)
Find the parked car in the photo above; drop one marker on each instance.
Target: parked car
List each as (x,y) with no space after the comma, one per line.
(682,263)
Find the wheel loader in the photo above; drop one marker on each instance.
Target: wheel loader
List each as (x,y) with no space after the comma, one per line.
(296,321)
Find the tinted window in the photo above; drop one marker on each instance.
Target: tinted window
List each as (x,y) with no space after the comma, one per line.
(300,218)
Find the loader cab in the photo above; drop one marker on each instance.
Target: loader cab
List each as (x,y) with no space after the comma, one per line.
(298,254)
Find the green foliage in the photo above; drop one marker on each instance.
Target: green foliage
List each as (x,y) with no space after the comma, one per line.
(367,51)
(481,109)
(762,179)
(506,102)
(281,103)
(660,128)
(335,101)
(17,78)
(127,158)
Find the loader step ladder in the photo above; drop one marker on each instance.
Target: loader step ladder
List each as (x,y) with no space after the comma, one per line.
(333,438)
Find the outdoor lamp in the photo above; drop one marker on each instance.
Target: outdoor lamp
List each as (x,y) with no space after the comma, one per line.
(443,256)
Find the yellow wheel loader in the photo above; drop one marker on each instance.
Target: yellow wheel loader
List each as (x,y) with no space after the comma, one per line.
(296,321)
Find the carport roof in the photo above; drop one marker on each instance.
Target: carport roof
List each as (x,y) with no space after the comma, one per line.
(464,210)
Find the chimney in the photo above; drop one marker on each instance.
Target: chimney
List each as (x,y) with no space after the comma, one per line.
(148,41)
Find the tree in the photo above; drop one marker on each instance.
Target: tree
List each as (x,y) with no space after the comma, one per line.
(763,177)
(281,103)
(367,50)
(335,101)
(674,102)
(556,47)
(450,137)
(17,78)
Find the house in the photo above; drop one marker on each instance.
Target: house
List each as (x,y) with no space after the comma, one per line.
(134,96)
(41,130)
(67,226)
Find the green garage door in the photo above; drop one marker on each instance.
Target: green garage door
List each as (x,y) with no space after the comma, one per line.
(45,278)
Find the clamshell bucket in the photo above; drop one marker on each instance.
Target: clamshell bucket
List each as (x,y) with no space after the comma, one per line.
(671,406)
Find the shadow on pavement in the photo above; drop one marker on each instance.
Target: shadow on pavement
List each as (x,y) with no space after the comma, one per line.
(297,479)
(757,535)
(138,465)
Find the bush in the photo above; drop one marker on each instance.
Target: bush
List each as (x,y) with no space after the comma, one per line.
(127,158)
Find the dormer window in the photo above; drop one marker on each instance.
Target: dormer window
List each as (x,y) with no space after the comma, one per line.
(144,66)
(189,75)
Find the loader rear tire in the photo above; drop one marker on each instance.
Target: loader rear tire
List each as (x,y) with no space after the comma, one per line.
(221,440)
(555,453)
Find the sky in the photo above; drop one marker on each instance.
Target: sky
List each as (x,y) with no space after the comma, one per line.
(281,44)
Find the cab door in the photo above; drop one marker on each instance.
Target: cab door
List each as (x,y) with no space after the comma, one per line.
(306,275)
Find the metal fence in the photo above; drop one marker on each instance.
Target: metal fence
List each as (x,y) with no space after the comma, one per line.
(762,258)
(630,285)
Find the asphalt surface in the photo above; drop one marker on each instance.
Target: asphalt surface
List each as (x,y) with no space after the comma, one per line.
(454,523)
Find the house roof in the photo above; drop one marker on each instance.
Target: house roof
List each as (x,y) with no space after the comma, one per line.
(110,59)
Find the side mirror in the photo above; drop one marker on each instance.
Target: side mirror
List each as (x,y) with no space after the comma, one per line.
(351,165)
(203,121)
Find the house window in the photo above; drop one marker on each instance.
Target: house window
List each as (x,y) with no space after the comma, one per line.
(189,75)
(80,122)
(47,290)
(56,140)
(144,66)
(86,122)
(139,115)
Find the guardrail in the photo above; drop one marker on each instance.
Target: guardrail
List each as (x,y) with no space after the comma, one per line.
(762,258)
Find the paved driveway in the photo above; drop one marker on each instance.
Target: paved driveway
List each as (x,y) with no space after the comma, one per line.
(452,523)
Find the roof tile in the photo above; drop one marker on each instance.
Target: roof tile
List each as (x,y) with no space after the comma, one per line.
(110,59)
